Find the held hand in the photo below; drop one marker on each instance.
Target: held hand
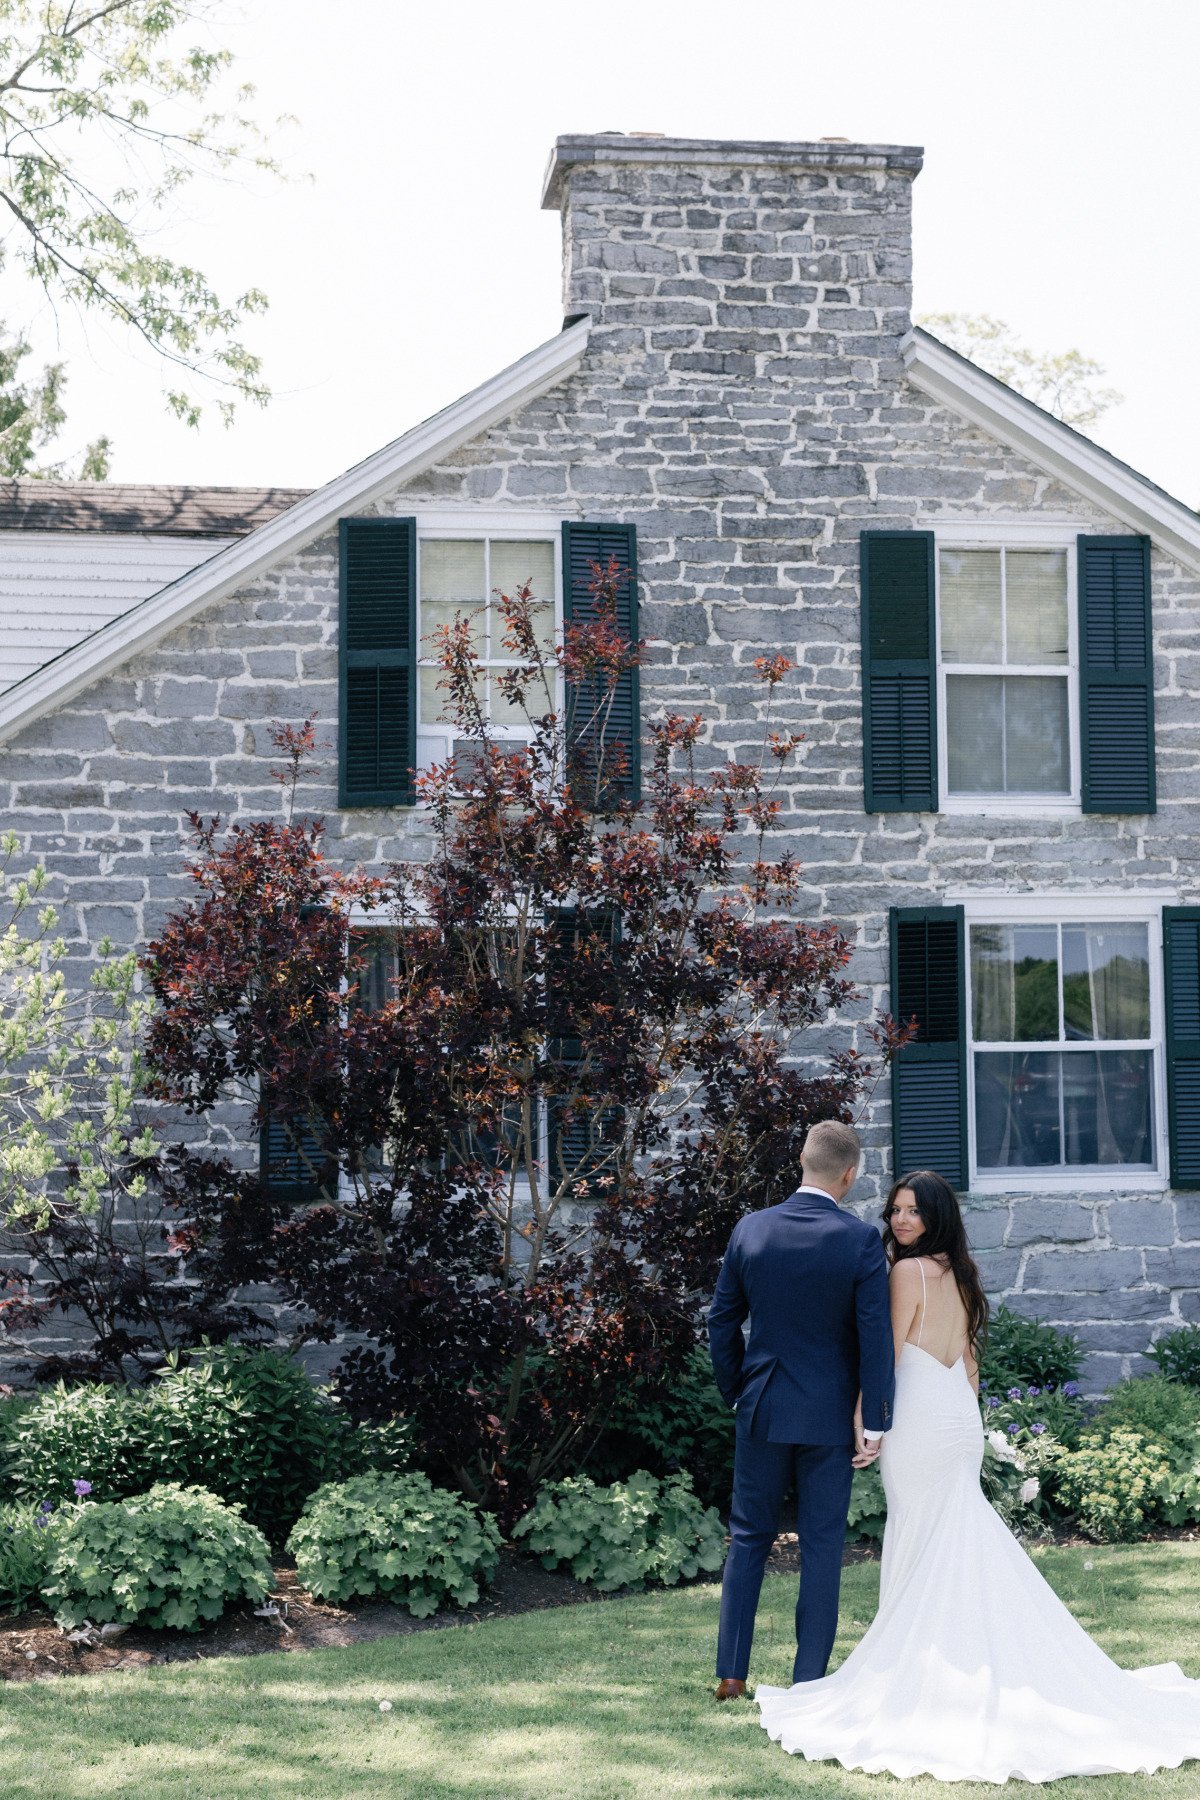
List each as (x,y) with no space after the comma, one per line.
(865,1454)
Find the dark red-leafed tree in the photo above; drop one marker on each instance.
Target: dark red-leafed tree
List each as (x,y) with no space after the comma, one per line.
(518,1093)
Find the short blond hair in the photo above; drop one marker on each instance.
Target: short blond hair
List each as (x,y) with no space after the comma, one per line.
(830,1148)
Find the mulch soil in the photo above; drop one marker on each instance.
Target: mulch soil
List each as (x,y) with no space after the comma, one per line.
(32,1648)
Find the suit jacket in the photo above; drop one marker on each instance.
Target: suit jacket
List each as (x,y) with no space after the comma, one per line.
(813,1281)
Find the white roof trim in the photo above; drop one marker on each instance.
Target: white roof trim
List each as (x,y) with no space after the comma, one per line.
(1053,446)
(68,674)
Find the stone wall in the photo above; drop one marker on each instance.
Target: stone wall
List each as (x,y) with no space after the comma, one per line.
(743,401)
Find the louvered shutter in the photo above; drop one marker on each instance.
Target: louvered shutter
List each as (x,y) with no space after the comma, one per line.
(1181,956)
(292,1161)
(377,662)
(929,1076)
(1116,675)
(577,1141)
(899,671)
(293,1164)
(590,737)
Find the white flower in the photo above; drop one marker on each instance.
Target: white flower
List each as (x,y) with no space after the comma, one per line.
(1001,1447)
(385,1706)
(1029,1491)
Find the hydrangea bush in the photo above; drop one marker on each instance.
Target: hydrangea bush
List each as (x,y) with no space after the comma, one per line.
(174,1556)
(626,1534)
(396,1536)
(868,1504)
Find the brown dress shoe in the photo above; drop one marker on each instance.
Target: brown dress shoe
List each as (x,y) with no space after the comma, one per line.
(730,1689)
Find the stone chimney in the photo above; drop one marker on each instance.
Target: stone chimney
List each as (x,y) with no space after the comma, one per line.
(732,252)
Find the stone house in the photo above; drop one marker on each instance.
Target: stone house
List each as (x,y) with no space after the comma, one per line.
(996,627)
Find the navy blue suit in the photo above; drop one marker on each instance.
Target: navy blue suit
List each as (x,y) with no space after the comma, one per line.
(813,1281)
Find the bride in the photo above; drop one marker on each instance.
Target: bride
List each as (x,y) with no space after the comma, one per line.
(973,1669)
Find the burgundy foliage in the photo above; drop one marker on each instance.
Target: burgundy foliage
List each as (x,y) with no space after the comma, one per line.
(600,1039)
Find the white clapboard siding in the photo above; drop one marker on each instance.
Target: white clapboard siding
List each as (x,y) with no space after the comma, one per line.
(57,587)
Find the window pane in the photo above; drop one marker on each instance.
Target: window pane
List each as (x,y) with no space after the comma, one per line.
(446,612)
(1014,983)
(514,564)
(452,569)
(1037,746)
(1106,981)
(1016,1110)
(1036,606)
(1106,1108)
(969,584)
(435,702)
(975,734)
(507,712)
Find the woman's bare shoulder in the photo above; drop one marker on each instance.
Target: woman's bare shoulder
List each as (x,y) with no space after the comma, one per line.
(905,1273)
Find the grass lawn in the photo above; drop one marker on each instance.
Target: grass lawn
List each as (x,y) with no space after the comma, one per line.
(593,1702)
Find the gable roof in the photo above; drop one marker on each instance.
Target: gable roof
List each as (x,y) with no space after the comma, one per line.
(1094,473)
(144,624)
(140,507)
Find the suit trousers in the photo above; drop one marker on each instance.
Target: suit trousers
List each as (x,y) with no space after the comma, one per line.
(761,1472)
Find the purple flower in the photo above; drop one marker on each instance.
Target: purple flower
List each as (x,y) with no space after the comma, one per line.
(47,1506)
(1013,1430)
(1014,1393)
(1033,1392)
(82,1488)
(1071,1390)
(982,1381)
(1037,1428)
(992,1401)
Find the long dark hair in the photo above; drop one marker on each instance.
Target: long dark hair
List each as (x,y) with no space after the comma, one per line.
(945,1235)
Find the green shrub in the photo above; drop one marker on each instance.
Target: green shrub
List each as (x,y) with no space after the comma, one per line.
(175,1556)
(1162,1411)
(249,1426)
(626,1534)
(1019,1478)
(1178,1355)
(99,1434)
(681,1425)
(27,1538)
(13,1408)
(868,1504)
(396,1536)
(1112,1485)
(1025,1353)
(385,1448)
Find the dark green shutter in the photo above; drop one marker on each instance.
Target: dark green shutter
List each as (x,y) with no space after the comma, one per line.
(1116,675)
(378,662)
(929,1076)
(1181,957)
(576,1140)
(584,545)
(899,671)
(293,1164)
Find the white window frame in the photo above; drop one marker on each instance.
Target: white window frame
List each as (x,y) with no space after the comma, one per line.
(1031,535)
(434,742)
(1001,908)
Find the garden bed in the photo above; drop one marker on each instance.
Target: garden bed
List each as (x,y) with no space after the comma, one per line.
(32,1648)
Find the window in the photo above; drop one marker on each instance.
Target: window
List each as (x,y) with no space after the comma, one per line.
(462,577)
(1007,672)
(1063,1052)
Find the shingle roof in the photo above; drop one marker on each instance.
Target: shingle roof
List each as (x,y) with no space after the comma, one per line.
(140,507)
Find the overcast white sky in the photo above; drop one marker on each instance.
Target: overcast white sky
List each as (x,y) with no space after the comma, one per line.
(1062,155)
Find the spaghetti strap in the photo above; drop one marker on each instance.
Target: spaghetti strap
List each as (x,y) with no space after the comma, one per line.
(921,1326)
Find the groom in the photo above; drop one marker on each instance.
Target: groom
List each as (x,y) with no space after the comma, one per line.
(813,1281)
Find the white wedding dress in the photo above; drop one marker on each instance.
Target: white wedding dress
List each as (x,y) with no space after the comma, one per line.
(973,1669)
